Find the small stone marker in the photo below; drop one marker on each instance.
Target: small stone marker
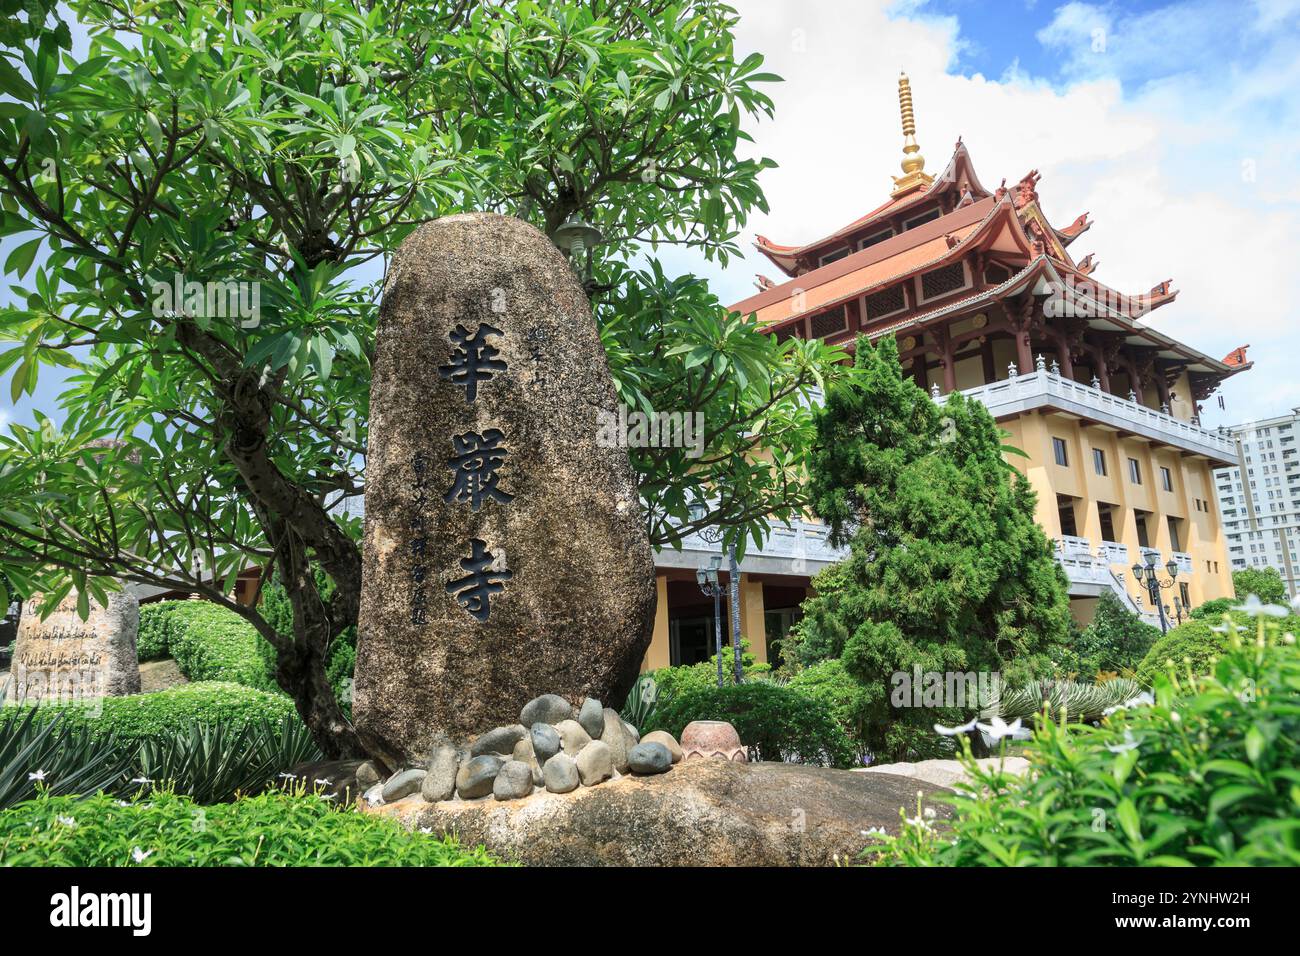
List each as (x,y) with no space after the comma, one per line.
(65,658)
(505,553)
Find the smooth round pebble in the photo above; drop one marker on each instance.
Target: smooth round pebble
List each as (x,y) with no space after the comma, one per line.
(513,780)
(403,784)
(572,737)
(546,742)
(475,777)
(595,763)
(592,717)
(547,709)
(649,757)
(561,774)
(498,740)
(667,739)
(440,782)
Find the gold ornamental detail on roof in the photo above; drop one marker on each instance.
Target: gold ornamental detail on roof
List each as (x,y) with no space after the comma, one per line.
(914,174)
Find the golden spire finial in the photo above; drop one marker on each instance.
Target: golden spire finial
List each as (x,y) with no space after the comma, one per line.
(914,174)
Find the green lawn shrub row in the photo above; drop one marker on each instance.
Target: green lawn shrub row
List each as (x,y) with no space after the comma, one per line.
(163,829)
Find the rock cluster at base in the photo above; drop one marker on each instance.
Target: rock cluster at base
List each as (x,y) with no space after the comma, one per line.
(556,748)
(702,813)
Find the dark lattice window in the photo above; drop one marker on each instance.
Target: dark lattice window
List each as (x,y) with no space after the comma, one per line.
(996,275)
(885,302)
(787,332)
(875,238)
(828,323)
(941,281)
(833,257)
(922,219)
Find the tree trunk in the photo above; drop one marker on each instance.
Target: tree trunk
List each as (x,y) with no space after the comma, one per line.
(301,673)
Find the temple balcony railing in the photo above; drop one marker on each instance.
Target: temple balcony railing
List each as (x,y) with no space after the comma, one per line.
(1112,552)
(802,548)
(1043,388)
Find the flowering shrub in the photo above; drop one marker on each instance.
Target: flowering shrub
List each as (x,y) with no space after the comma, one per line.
(1207,774)
(275,829)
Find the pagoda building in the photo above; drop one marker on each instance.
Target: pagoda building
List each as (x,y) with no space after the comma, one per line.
(985,297)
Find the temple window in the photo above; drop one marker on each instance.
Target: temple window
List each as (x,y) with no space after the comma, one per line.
(829,323)
(875,237)
(1099,462)
(942,281)
(995,274)
(1059,452)
(922,219)
(885,302)
(1134,471)
(832,257)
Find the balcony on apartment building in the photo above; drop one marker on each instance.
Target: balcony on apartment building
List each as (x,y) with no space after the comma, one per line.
(1044,388)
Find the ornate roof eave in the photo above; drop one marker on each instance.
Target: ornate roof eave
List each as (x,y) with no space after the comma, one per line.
(980,233)
(786,258)
(1074,230)
(1036,277)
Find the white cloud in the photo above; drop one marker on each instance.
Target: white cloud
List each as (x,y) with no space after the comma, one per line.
(1163,167)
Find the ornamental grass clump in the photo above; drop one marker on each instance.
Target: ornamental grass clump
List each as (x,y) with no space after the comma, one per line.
(1207,773)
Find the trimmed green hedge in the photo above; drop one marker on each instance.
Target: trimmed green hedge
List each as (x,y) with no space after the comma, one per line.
(209,642)
(149,715)
(155,629)
(167,830)
(777,723)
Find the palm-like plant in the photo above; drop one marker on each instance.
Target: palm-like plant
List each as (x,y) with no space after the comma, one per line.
(57,756)
(212,762)
(1077,701)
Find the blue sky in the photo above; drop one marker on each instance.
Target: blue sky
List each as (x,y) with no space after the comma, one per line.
(1176,125)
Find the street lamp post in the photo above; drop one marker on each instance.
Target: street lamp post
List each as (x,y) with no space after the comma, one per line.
(708,579)
(697,512)
(710,585)
(1147,576)
(1179,608)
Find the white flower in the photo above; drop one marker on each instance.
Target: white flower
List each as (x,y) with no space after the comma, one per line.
(287,776)
(1255,607)
(875,831)
(66,821)
(929,813)
(326,781)
(426,829)
(1227,627)
(139,855)
(38,776)
(918,821)
(1130,743)
(1143,699)
(954,731)
(1000,728)
(143,781)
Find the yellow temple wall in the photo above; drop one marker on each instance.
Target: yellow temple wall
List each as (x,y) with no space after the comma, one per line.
(1200,529)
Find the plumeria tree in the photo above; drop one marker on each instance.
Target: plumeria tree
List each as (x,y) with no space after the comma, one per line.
(202,207)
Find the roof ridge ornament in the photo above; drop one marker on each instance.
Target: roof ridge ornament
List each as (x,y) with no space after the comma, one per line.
(914,174)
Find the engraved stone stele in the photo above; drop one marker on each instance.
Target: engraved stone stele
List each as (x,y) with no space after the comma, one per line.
(505,553)
(64,658)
